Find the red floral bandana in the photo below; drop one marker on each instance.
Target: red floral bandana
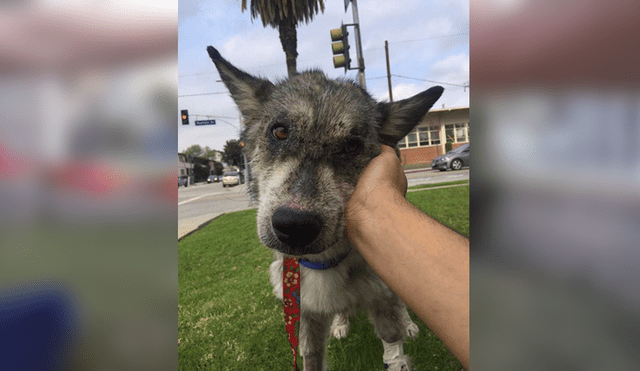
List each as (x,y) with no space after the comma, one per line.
(291,303)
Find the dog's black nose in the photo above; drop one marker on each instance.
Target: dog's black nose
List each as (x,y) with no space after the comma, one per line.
(296,228)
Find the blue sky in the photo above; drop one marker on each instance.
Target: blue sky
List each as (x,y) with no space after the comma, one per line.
(427,41)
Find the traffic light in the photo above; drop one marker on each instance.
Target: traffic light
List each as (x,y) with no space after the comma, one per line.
(340,48)
(185,117)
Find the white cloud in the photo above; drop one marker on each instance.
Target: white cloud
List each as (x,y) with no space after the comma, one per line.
(376,12)
(253,50)
(454,69)
(188,9)
(400,91)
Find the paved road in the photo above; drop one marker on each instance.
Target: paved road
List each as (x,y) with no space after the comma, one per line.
(198,204)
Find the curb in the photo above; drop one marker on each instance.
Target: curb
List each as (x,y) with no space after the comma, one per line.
(200,227)
(417,170)
(430,188)
(204,224)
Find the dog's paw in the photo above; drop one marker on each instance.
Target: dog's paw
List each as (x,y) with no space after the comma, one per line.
(398,364)
(412,329)
(340,326)
(340,332)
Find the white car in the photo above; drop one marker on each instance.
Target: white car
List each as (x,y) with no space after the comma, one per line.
(232,178)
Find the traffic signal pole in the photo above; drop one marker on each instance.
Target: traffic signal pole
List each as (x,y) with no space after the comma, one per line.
(340,45)
(356,20)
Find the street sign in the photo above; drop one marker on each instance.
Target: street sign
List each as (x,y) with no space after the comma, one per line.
(206,122)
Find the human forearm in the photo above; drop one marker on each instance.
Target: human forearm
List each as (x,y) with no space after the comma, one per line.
(423,262)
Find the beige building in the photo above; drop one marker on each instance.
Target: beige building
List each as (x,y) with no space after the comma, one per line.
(427,140)
(184,166)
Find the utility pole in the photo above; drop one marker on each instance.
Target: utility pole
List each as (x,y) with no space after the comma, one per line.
(189,182)
(386,50)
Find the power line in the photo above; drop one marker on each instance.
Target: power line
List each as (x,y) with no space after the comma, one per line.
(196,74)
(212,116)
(435,82)
(309,60)
(369,78)
(193,95)
(431,38)
(426,38)
(228,123)
(413,78)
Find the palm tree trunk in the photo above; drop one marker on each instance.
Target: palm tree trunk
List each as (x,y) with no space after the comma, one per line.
(289,41)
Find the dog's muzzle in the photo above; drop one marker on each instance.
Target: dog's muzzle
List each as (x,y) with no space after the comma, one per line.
(296,228)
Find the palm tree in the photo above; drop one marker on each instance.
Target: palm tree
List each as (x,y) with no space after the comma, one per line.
(285,15)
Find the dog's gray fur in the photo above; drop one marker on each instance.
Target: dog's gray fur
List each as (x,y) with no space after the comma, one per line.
(303,181)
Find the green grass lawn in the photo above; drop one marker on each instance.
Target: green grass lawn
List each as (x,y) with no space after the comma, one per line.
(229,318)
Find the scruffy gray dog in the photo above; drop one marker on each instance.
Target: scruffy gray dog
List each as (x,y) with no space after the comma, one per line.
(308,138)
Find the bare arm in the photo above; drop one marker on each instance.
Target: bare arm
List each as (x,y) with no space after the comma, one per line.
(425,263)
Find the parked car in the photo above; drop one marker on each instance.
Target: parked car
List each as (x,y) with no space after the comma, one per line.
(232,178)
(455,159)
(183,181)
(213,178)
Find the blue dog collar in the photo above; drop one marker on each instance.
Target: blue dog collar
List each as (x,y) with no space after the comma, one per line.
(324,265)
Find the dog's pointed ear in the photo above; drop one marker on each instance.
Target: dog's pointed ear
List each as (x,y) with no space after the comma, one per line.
(399,118)
(247,91)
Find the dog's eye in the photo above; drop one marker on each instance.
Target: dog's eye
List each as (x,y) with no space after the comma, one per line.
(352,145)
(280,132)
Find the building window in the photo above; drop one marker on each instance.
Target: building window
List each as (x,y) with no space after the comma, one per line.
(449,134)
(431,135)
(421,137)
(412,138)
(461,132)
(434,134)
(402,143)
(423,134)
(457,133)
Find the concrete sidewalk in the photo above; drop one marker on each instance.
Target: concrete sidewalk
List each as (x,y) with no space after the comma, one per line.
(189,226)
(418,170)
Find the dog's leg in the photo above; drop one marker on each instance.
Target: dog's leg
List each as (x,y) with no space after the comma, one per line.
(393,357)
(412,328)
(388,320)
(340,325)
(314,333)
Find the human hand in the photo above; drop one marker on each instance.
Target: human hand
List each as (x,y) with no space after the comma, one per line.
(382,177)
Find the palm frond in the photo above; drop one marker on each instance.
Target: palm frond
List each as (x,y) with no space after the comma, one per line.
(271,12)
